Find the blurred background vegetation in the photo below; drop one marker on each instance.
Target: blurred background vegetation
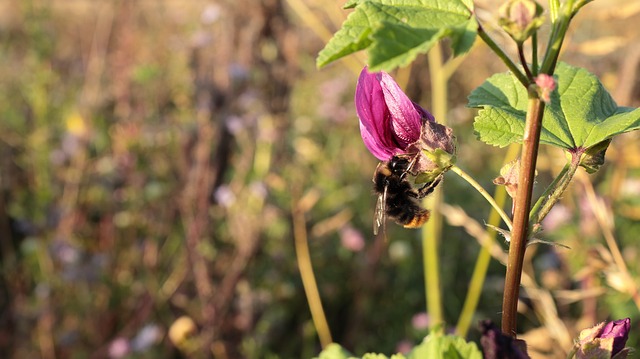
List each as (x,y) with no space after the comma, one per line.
(155,155)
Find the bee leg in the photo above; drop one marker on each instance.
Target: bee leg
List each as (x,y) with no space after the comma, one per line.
(428,188)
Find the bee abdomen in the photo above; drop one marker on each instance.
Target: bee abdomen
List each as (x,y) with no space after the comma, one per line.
(407,213)
(417,219)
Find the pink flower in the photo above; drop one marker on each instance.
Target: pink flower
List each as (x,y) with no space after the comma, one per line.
(389,120)
(420,321)
(351,239)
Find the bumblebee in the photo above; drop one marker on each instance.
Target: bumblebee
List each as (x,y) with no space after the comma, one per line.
(397,197)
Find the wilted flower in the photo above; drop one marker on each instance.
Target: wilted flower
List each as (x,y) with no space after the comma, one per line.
(509,175)
(389,120)
(496,345)
(604,340)
(593,157)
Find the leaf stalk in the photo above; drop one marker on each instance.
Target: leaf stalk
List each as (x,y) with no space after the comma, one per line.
(465,176)
(503,56)
(554,192)
(556,39)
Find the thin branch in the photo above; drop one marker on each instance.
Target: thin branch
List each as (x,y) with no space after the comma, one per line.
(523,61)
(308,278)
(457,170)
(503,56)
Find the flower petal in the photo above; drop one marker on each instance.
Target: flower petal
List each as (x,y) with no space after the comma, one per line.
(619,331)
(405,118)
(372,110)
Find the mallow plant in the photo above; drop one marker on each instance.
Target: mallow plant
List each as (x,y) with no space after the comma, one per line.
(540,100)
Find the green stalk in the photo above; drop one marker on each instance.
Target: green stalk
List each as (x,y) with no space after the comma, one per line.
(503,56)
(550,188)
(457,170)
(523,61)
(554,7)
(534,53)
(309,283)
(433,230)
(484,258)
(557,189)
(557,37)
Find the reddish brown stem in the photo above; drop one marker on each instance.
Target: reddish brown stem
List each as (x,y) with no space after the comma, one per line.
(518,243)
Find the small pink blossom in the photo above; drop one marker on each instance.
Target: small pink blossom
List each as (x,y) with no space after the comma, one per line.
(405,346)
(420,321)
(119,348)
(351,239)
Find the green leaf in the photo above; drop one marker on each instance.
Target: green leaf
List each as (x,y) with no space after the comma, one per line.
(351,4)
(445,347)
(396,45)
(374,356)
(395,31)
(581,114)
(334,351)
(352,37)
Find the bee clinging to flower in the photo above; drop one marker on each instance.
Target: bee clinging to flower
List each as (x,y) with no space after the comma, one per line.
(414,149)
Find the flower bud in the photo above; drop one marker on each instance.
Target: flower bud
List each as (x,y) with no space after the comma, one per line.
(593,158)
(521,18)
(604,340)
(436,151)
(546,85)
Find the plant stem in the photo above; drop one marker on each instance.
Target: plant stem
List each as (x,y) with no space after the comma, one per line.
(457,170)
(542,199)
(534,53)
(484,257)
(556,188)
(308,278)
(523,61)
(503,56)
(433,230)
(557,37)
(530,143)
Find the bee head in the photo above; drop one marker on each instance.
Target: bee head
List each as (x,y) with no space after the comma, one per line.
(399,165)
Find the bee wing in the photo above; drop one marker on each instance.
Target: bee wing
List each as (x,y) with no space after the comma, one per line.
(380,213)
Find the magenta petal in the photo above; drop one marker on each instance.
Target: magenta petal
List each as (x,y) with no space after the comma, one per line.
(424,114)
(381,152)
(405,118)
(619,331)
(372,110)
